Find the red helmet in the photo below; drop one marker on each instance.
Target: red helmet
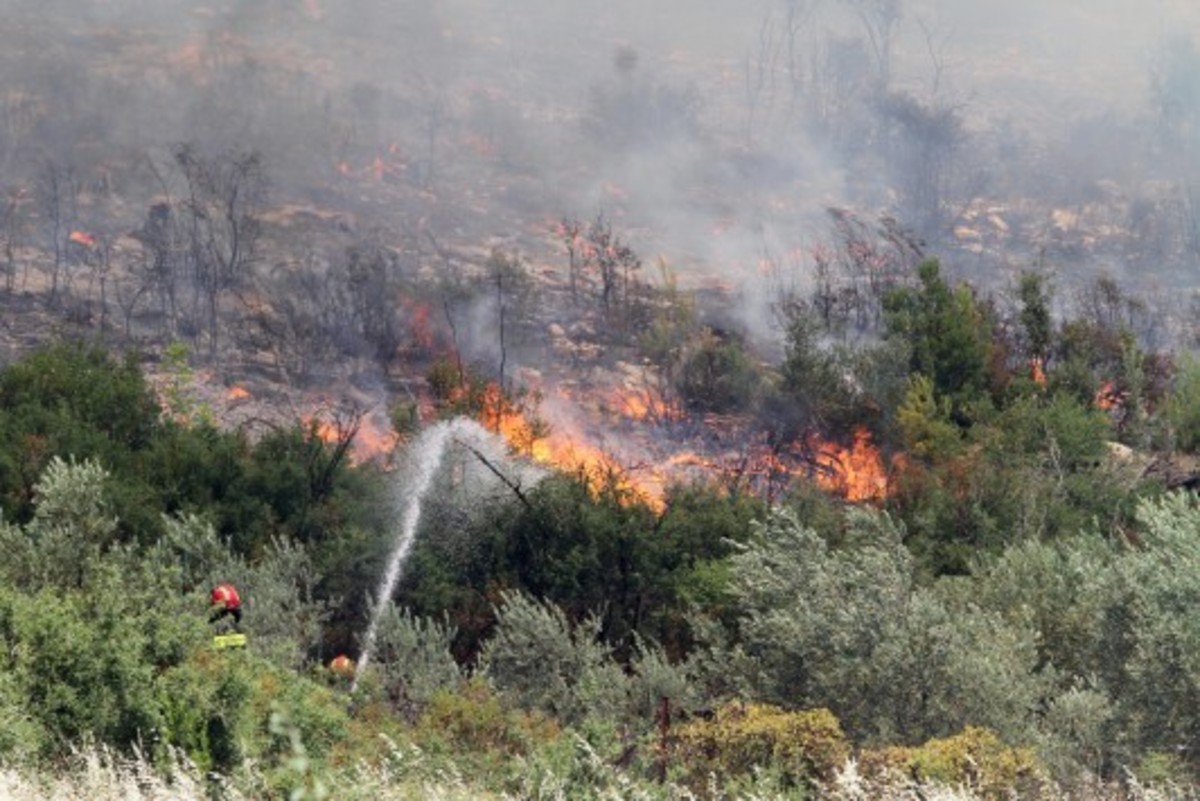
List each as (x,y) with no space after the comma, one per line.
(225,596)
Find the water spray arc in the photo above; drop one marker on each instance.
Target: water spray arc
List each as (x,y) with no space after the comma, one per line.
(426,456)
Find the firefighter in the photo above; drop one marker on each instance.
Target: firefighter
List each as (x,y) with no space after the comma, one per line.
(226,603)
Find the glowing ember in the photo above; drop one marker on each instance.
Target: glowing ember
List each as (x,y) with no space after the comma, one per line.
(377,169)
(1108,397)
(721,226)
(1037,371)
(82,238)
(391,168)
(614,191)
(237,393)
(482,146)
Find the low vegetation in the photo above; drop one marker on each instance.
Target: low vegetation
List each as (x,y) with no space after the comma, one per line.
(1012,616)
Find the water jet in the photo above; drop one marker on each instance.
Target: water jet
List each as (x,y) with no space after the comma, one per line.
(425,457)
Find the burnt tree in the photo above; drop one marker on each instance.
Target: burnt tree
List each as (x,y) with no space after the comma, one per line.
(55,192)
(223,195)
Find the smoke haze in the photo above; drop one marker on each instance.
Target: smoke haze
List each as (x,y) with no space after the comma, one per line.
(713,134)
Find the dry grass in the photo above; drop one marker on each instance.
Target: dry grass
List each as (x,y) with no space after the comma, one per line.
(99,775)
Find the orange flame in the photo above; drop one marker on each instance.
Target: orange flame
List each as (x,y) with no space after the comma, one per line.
(237,392)
(326,431)
(560,450)
(856,473)
(373,441)
(645,405)
(633,405)
(420,328)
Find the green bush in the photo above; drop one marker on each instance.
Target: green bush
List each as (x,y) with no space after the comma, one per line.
(806,747)
(717,376)
(204,708)
(1182,407)
(472,720)
(83,671)
(22,736)
(811,617)
(849,629)
(975,759)
(218,707)
(411,658)
(542,662)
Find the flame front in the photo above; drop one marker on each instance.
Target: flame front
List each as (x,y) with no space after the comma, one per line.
(856,473)
(562,451)
(372,441)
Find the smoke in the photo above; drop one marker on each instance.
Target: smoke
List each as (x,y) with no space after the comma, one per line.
(712,134)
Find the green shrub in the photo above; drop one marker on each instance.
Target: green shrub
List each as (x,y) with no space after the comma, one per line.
(1160,768)
(717,375)
(1182,407)
(411,657)
(975,758)
(83,670)
(22,737)
(471,720)
(218,707)
(805,746)
(542,662)
(204,709)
